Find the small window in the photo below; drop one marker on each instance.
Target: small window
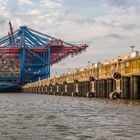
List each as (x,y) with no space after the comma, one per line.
(127,64)
(112,68)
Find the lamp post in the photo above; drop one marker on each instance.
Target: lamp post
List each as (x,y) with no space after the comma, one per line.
(68,70)
(89,63)
(132,47)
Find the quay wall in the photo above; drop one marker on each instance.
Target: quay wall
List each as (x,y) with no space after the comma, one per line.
(117,78)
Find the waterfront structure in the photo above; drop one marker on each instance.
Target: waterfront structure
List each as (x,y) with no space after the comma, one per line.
(119,77)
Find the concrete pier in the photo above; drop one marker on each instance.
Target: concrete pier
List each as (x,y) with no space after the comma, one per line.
(135,87)
(119,78)
(126,87)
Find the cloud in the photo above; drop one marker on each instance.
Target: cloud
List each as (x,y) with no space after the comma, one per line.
(63,22)
(27,2)
(27,6)
(29,12)
(115,36)
(2,20)
(124,4)
(49,4)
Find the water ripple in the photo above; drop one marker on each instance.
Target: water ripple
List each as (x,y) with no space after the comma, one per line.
(43,117)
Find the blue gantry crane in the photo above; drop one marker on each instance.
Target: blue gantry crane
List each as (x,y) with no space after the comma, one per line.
(26,55)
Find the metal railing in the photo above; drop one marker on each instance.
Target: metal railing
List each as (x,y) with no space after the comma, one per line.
(9,73)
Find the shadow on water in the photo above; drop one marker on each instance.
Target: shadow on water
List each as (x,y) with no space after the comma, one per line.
(118,101)
(15,89)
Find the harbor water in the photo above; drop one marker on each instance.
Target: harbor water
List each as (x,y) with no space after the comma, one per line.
(46,117)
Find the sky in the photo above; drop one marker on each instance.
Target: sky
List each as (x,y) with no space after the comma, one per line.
(109,27)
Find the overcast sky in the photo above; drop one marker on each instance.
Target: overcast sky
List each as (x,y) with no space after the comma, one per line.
(109,27)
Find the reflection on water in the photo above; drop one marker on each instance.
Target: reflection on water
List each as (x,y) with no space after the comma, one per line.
(45,117)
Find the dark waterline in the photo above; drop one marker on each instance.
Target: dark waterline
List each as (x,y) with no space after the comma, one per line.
(45,117)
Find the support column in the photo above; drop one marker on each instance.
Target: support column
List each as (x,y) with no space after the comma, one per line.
(125,85)
(65,89)
(76,88)
(92,91)
(135,87)
(22,67)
